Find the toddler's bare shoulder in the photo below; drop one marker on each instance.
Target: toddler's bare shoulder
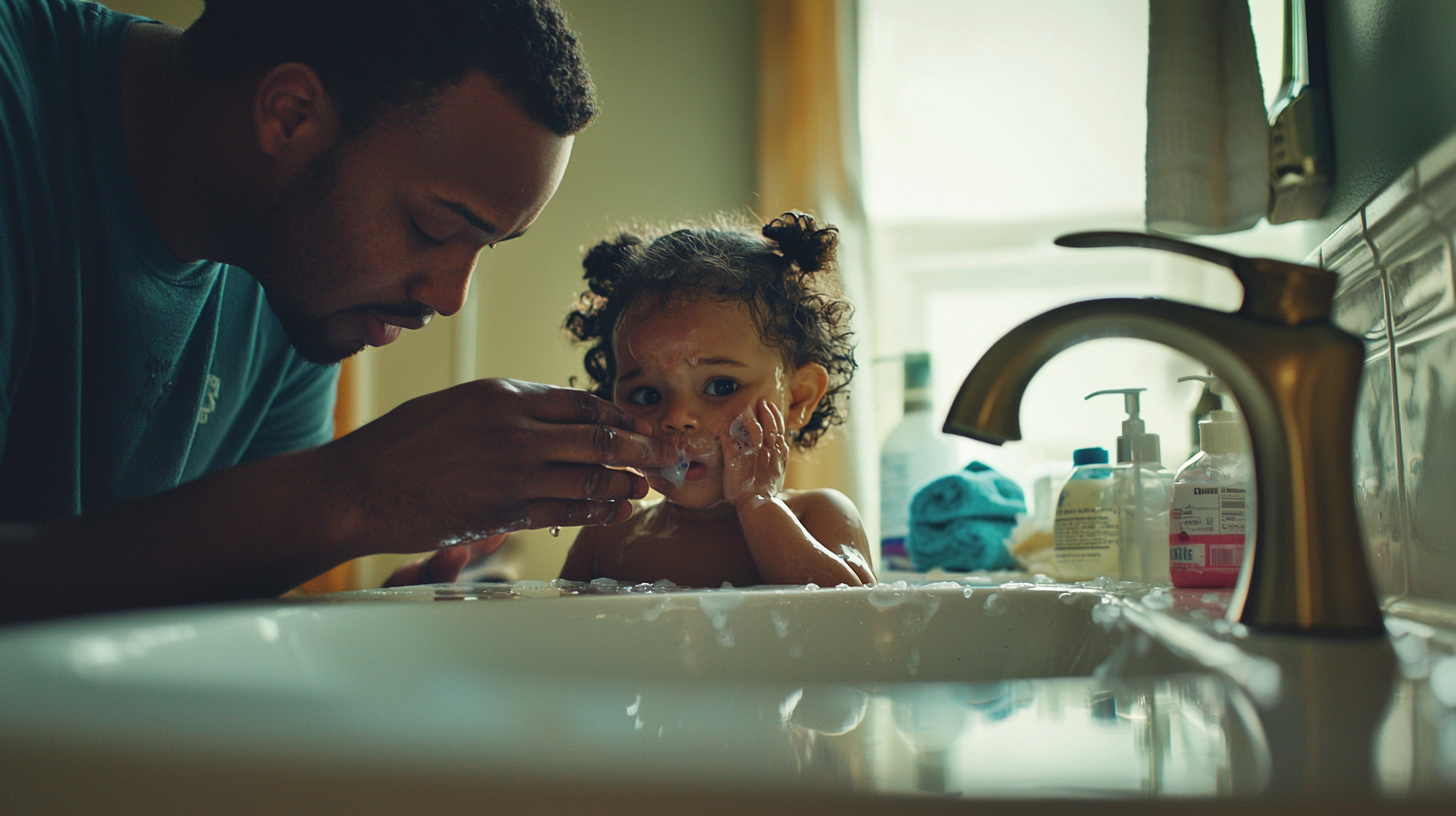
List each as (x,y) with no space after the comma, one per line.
(820,501)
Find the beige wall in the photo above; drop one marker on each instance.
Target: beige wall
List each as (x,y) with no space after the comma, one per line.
(179,13)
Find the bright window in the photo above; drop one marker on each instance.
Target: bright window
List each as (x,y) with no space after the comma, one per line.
(988,129)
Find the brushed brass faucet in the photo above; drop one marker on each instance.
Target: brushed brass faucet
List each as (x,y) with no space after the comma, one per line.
(1296,377)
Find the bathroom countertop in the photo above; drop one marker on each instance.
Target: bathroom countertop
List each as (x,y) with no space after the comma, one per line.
(946,696)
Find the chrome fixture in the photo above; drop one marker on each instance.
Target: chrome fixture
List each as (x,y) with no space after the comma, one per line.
(1295,376)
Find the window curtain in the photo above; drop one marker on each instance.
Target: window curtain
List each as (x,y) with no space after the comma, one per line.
(808,159)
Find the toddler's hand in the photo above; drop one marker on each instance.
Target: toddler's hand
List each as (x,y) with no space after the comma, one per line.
(755,455)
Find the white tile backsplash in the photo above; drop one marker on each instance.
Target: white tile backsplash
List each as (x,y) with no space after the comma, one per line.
(1396,291)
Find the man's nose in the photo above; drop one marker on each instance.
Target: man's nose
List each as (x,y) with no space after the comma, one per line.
(444,289)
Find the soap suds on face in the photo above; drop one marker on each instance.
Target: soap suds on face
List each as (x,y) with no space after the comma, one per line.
(677,472)
(740,434)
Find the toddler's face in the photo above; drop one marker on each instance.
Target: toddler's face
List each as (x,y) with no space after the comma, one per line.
(689,368)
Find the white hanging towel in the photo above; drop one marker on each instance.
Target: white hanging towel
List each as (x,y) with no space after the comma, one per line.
(1208,135)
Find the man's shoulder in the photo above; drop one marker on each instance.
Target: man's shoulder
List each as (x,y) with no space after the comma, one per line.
(38,26)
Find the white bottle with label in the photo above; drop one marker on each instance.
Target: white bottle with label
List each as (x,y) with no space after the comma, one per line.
(1211,515)
(915,453)
(1087,531)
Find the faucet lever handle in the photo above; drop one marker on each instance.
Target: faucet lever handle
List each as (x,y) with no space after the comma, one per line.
(1274,291)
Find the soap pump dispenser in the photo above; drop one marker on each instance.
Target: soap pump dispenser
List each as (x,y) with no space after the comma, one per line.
(1141,487)
(1212,513)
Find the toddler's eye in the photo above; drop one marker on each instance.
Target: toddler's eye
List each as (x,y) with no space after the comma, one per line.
(721,387)
(644,396)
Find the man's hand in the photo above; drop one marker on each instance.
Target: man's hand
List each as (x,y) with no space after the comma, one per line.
(445,469)
(485,458)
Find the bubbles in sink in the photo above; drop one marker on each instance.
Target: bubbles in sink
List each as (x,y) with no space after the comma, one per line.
(635,707)
(888,596)
(715,606)
(1067,598)
(968,592)
(780,620)
(1158,598)
(996,604)
(913,667)
(535,589)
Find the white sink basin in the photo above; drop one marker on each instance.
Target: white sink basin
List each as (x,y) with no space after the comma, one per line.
(756,696)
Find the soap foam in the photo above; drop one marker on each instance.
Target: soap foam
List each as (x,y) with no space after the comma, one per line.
(677,472)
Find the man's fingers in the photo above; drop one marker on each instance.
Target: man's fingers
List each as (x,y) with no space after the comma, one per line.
(594,482)
(603,445)
(543,513)
(594,431)
(568,406)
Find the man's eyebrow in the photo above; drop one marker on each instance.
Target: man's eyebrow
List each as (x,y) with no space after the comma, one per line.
(718,361)
(470,217)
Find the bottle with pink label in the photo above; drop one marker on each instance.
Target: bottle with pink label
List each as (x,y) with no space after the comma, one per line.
(1211,514)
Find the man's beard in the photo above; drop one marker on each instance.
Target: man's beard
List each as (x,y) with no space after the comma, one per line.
(307,249)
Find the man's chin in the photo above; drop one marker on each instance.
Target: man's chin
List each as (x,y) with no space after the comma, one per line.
(317,347)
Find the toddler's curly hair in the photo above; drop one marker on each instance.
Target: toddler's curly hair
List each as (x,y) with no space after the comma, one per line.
(785,272)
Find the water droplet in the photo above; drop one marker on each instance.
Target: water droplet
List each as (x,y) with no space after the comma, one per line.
(555,532)
(996,604)
(1067,598)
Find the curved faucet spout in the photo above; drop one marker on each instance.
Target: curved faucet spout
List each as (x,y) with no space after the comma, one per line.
(1297,386)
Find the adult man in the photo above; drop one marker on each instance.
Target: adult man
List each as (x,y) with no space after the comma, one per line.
(282,184)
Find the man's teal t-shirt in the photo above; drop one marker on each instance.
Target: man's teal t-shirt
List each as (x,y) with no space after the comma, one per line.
(123,372)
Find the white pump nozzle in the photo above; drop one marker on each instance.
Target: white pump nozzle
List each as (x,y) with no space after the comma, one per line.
(1135,444)
(1222,431)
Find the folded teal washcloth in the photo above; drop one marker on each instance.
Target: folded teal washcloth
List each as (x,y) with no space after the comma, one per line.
(960,522)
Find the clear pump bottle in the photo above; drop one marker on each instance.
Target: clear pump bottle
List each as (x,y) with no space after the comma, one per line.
(1141,489)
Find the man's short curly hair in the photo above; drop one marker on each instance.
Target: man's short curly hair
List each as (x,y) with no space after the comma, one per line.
(784,272)
(380,57)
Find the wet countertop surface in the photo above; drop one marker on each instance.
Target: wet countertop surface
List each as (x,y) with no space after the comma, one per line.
(566,697)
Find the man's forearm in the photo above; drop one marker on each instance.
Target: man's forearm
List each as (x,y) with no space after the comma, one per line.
(249,532)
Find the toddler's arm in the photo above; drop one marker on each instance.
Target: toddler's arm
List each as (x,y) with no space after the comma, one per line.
(581,560)
(827,548)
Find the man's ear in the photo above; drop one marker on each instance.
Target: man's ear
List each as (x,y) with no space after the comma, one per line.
(294,118)
(807,385)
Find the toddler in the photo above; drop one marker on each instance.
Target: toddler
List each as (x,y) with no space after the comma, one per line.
(734,345)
